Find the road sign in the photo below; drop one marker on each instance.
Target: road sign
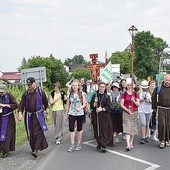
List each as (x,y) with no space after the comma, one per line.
(39,73)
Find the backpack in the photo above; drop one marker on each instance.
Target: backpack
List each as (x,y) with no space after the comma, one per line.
(62,96)
(158,91)
(115,105)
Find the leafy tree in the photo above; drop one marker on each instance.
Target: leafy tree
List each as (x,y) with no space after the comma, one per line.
(147,50)
(81,72)
(124,59)
(78,59)
(55,70)
(24,61)
(68,61)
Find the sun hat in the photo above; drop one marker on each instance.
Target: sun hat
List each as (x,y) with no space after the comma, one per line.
(115,84)
(2,88)
(144,84)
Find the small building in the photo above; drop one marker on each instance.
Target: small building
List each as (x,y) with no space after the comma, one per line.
(75,66)
(128,48)
(11,77)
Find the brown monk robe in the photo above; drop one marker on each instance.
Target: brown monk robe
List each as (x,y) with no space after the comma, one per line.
(161,103)
(102,124)
(28,104)
(6,108)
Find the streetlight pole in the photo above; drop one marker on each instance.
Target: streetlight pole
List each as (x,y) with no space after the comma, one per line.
(132,30)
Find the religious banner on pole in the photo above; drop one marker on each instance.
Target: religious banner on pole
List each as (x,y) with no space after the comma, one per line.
(106,74)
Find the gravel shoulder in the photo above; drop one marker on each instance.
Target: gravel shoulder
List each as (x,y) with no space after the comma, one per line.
(21,158)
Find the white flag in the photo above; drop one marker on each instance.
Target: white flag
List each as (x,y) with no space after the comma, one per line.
(106,74)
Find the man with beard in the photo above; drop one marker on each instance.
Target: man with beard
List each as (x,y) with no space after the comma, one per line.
(161,102)
(34,102)
(7,121)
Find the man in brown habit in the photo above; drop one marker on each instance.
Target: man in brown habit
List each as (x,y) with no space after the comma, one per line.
(34,102)
(7,121)
(161,103)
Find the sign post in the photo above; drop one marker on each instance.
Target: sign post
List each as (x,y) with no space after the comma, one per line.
(39,73)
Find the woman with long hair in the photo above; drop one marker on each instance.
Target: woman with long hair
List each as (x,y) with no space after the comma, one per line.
(75,112)
(152,86)
(123,85)
(57,99)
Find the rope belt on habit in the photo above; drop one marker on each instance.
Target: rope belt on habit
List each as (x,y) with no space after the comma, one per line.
(6,114)
(162,107)
(35,112)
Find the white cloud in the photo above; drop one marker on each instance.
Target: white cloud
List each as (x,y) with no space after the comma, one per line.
(66,28)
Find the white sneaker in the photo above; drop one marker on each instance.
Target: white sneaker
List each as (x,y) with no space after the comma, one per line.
(124,137)
(117,140)
(58,142)
(71,148)
(155,139)
(78,148)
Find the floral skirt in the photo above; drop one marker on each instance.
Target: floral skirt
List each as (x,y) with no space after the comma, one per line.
(130,123)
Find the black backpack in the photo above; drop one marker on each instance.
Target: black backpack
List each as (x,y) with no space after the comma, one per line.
(62,96)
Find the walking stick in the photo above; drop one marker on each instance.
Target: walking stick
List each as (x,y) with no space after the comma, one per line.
(97,116)
(98,124)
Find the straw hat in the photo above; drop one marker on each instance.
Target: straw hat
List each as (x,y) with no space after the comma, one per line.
(144,84)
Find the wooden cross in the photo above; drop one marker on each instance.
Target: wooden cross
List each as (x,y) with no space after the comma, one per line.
(94,67)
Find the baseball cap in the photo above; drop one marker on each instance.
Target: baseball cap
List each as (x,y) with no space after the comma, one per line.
(30,80)
(2,88)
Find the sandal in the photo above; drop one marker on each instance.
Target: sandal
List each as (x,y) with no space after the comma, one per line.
(162,145)
(131,146)
(128,148)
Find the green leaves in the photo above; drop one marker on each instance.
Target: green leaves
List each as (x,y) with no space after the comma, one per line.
(55,70)
(81,72)
(147,50)
(124,59)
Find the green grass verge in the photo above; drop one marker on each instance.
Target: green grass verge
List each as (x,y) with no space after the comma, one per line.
(21,136)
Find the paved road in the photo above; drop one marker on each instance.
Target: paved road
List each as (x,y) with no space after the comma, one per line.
(142,157)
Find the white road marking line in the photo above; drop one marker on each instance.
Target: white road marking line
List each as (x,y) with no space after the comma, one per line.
(152,165)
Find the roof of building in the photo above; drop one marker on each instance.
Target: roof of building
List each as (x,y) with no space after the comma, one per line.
(11,76)
(75,66)
(128,48)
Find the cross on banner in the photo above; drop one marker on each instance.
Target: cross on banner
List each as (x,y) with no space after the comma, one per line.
(94,67)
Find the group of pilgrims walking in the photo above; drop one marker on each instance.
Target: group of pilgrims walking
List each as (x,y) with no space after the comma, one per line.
(115,108)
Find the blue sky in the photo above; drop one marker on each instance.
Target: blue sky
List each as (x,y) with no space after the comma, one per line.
(66,28)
